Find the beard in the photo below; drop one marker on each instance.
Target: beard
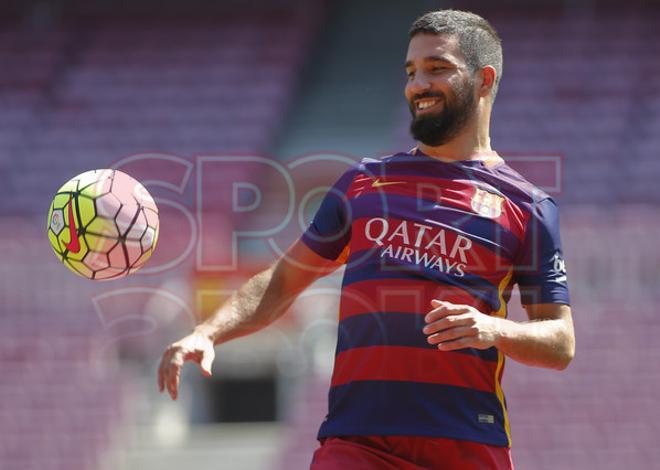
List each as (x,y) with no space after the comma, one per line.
(441,127)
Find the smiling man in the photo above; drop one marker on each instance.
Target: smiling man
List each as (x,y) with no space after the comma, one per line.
(433,241)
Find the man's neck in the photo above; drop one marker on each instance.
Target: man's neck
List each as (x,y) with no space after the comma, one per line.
(465,146)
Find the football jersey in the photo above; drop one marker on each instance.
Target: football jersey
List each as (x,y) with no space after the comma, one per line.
(411,228)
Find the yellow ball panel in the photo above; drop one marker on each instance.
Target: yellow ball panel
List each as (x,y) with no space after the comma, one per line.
(79,255)
(60,200)
(64,237)
(78,268)
(52,238)
(98,243)
(69,186)
(86,210)
(103,227)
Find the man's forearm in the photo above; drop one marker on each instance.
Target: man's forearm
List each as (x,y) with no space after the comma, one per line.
(541,343)
(258,303)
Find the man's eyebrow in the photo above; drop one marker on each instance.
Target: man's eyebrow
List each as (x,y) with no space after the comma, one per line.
(431,58)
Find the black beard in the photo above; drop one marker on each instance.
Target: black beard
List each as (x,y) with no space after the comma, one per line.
(441,127)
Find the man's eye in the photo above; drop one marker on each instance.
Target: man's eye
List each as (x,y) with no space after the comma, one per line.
(410,75)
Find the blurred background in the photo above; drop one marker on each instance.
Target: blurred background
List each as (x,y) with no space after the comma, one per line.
(184,95)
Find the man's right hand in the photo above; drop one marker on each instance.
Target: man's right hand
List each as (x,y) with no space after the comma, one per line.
(275,288)
(195,347)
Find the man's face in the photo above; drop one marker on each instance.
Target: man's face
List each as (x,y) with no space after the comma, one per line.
(440,88)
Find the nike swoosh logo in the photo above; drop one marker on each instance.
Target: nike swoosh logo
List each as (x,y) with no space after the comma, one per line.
(378,183)
(74,245)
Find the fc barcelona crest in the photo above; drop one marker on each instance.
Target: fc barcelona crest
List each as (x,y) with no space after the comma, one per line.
(487,204)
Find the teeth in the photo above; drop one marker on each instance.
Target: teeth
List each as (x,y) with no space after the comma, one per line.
(426,104)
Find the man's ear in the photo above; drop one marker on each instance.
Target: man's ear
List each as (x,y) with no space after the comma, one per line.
(488,77)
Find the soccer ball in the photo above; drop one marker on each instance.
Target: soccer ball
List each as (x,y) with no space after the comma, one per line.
(103,224)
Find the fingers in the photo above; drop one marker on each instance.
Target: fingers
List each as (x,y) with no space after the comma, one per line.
(451,321)
(207,361)
(173,378)
(452,334)
(460,343)
(443,309)
(169,370)
(173,372)
(162,369)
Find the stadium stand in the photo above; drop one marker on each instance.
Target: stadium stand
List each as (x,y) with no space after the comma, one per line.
(97,92)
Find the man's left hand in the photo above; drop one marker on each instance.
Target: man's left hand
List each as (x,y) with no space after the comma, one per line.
(452,326)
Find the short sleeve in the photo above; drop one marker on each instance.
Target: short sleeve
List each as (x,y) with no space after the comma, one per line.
(330,230)
(540,270)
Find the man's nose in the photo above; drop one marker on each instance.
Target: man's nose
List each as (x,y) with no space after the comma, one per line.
(419,84)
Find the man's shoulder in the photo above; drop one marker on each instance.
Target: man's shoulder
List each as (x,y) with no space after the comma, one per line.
(517,185)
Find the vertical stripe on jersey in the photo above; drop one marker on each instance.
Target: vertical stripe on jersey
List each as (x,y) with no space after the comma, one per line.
(502,313)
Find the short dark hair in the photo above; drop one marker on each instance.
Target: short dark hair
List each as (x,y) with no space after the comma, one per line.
(478,40)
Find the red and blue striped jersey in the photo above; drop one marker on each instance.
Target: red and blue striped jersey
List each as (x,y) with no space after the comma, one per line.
(410,229)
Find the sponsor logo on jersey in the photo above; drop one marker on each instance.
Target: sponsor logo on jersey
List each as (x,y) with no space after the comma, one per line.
(426,246)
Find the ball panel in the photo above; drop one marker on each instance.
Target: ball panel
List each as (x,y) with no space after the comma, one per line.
(117,257)
(107,205)
(148,239)
(99,243)
(79,268)
(138,228)
(80,253)
(104,227)
(61,200)
(126,216)
(85,210)
(93,180)
(141,261)
(96,261)
(97,188)
(54,243)
(133,250)
(144,198)
(110,273)
(56,221)
(70,186)
(152,217)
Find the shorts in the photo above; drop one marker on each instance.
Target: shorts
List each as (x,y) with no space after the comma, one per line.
(408,453)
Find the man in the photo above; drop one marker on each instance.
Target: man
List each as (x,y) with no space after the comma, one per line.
(433,241)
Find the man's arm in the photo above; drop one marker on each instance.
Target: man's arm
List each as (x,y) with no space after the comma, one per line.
(259,302)
(547,340)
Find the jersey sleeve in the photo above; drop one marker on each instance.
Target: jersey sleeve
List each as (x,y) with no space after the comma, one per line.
(330,230)
(540,269)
